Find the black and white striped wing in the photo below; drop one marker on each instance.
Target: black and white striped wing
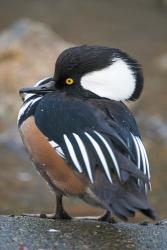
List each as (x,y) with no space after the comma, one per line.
(85,150)
(89,149)
(81,135)
(126,126)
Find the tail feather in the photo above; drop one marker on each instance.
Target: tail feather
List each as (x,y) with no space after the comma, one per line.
(150,213)
(123,198)
(122,203)
(128,207)
(121,211)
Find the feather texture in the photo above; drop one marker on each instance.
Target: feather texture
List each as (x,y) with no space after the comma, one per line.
(103,145)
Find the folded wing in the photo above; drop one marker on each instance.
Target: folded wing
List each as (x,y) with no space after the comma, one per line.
(81,134)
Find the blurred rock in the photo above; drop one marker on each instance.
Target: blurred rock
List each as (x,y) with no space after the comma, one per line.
(28,51)
(154,127)
(161,3)
(161,62)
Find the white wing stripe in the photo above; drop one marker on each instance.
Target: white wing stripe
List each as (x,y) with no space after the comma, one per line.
(101,156)
(84,155)
(57,148)
(28,96)
(137,150)
(110,152)
(146,158)
(40,81)
(145,162)
(138,153)
(72,153)
(26,105)
(140,149)
(53,144)
(142,155)
(23,109)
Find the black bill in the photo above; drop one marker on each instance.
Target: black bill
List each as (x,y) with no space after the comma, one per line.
(42,87)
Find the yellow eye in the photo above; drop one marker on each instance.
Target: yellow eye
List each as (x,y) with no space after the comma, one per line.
(69,81)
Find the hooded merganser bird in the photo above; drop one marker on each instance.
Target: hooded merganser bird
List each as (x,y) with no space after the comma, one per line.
(81,136)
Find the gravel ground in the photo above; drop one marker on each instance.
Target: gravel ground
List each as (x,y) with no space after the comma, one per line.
(27,233)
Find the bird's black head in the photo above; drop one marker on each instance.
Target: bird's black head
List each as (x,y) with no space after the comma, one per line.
(77,61)
(103,71)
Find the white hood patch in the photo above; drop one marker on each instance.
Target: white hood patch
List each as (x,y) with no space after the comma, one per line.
(116,82)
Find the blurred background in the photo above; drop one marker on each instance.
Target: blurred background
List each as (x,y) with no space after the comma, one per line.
(32,34)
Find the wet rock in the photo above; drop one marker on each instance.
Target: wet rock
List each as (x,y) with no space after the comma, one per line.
(33,233)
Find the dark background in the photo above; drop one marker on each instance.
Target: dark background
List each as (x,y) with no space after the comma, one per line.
(138,27)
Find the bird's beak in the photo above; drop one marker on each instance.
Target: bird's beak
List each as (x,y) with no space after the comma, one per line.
(43,88)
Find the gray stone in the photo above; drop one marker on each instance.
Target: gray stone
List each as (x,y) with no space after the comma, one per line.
(27,233)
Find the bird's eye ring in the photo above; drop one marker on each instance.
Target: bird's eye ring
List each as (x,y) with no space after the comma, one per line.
(69,81)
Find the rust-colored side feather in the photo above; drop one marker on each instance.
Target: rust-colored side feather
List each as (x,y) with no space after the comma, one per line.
(43,155)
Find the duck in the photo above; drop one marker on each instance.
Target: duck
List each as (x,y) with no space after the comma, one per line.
(82,137)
